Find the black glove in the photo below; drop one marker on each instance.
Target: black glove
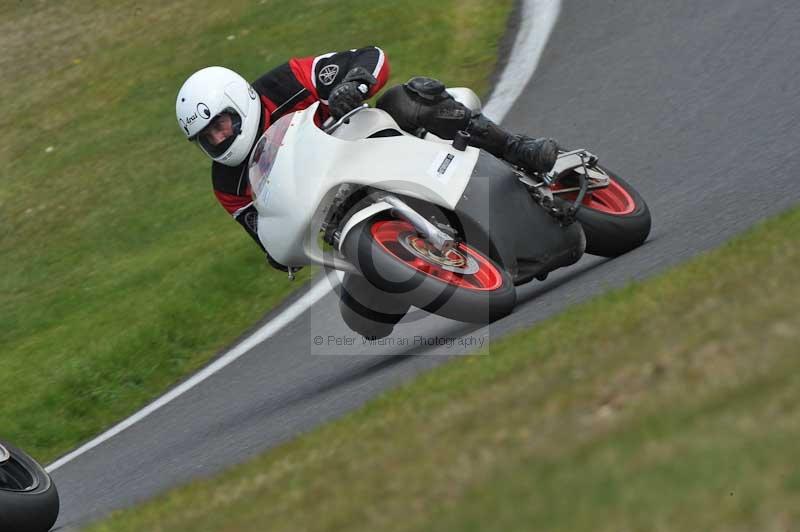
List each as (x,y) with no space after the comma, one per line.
(351,92)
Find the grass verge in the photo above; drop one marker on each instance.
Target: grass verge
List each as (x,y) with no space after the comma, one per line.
(671,404)
(120,273)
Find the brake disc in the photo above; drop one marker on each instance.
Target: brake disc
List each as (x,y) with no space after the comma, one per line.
(453,260)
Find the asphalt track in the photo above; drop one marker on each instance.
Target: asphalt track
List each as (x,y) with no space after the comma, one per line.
(696,103)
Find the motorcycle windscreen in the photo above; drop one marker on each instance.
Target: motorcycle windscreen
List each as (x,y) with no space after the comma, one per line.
(264,155)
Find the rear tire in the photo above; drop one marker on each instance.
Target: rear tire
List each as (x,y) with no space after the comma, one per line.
(615,219)
(387,252)
(28,497)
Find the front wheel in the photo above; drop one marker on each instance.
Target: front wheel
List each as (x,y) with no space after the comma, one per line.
(615,219)
(462,284)
(28,498)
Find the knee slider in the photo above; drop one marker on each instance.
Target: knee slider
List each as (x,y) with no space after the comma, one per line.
(401,106)
(424,103)
(427,89)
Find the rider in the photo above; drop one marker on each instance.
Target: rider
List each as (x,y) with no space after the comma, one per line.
(225,115)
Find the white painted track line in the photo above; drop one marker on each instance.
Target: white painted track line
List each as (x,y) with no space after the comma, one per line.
(317,291)
(538,19)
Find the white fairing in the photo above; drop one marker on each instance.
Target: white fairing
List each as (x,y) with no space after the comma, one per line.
(301,168)
(467,97)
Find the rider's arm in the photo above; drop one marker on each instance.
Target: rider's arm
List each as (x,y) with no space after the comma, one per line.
(320,74)
(234,196)
(296,85)
(243,211)
(248,218)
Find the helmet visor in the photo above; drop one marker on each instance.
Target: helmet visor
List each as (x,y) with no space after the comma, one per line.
(220,133)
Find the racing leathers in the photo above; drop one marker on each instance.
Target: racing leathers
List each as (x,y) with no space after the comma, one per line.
(293,86)
(340,81)
(423,104)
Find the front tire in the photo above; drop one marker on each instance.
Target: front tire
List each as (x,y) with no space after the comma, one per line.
(28,498)
(368,311)
(615,219)
(463,285)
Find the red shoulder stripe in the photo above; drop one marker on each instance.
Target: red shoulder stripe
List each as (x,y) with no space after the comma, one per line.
(231,202)
(303,70)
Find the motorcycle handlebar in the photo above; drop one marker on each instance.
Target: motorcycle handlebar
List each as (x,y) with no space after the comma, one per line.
(329,127)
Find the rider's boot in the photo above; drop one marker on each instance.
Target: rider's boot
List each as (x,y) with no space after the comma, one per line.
(531,154)
(424,104)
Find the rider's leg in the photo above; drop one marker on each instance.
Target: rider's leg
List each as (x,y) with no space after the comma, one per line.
(538,155)
(424,103)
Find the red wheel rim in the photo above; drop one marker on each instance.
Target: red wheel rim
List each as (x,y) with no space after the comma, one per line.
(612,199)
(461,266)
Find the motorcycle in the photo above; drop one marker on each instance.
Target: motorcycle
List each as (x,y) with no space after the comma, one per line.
(415,220)
(28,498)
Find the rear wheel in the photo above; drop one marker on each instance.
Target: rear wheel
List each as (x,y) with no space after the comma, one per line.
(28,497)
(615,219)
(461,284)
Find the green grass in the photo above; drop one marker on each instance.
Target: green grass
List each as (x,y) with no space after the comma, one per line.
(671,404)
(120,273)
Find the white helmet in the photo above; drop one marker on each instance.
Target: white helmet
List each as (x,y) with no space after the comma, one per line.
(210,92)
